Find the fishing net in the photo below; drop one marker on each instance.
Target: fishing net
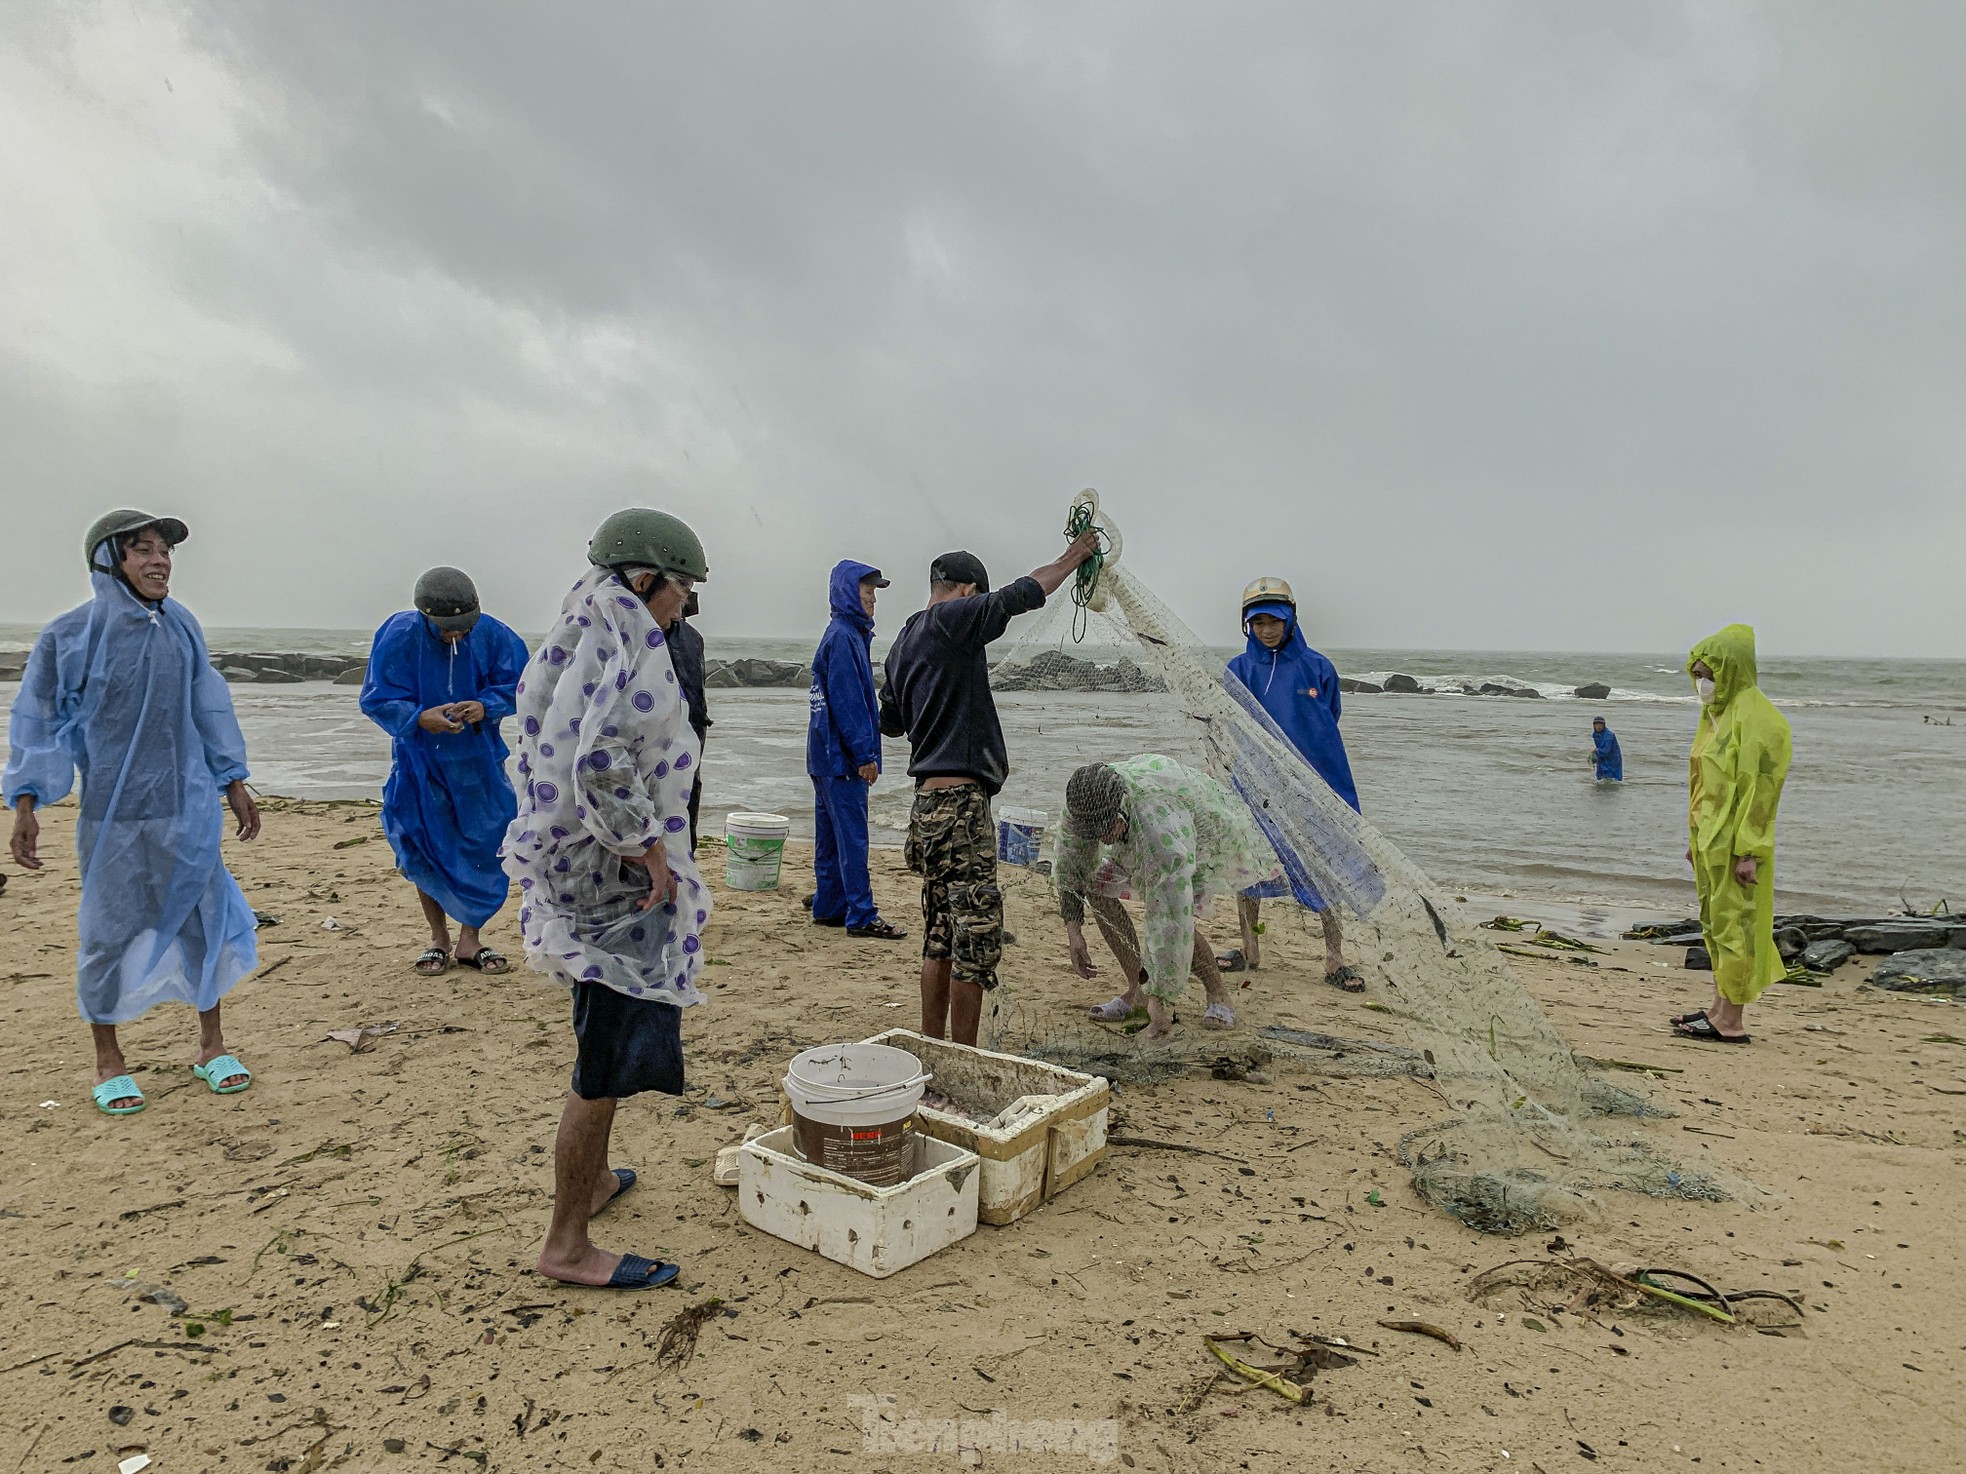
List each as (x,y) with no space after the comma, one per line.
(1527,1134)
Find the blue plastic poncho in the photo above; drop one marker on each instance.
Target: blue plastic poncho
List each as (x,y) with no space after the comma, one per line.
(843,731)
(448,801)
(126,693)
(1610,760)
(1299,689)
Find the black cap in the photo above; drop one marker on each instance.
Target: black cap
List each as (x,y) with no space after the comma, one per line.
(448,599)
(960,568)
(876,580)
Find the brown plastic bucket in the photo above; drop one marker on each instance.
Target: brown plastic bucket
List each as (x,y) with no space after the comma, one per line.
(880,1155)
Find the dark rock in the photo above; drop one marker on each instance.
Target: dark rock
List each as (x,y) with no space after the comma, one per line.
(1927,970)
(767,673)
(1530,691)
(354,676)
(274,675)
(1790,942)
(1697,960)
(1496,688)
(1596,691)
(1899,936)
(238,673)
(1827,955)
(1352,686)
(718,676)
(1403,685)
(1691,937)
(1054,670)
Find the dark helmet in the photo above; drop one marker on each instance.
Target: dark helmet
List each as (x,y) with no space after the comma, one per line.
(1094,797)
(642,538)
(121,524)
(448,599)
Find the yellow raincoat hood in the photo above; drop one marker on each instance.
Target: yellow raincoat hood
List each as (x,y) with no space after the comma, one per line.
(1730,656)
(1740,761)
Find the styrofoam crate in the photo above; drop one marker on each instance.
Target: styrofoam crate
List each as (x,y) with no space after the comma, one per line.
(1031,1161)
(876,1230)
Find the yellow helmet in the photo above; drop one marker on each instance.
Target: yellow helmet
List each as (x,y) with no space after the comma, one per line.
(1268,591)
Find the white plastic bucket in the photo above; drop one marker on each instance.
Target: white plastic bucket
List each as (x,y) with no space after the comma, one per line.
(755,850)
(1020,834)
(853,1110)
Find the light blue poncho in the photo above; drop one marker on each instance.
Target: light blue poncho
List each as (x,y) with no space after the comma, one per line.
(126,693)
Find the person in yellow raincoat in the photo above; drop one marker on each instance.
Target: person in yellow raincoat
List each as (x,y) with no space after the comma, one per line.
(1740,760)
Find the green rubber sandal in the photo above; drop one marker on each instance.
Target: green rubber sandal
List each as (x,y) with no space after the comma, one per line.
(222,1068)
(120,1088)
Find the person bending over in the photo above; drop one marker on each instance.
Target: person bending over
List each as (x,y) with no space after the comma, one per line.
(1174,839)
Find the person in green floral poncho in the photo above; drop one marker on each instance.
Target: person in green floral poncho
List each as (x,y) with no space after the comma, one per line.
(1174,839)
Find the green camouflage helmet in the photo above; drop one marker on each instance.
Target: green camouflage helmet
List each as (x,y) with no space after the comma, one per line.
(648,539)
(123,522)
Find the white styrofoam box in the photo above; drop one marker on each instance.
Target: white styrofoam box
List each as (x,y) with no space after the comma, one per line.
(876,1230)
(1034,1158)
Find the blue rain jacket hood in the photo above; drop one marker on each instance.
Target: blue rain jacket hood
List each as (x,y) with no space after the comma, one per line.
(843,733)
(1610,760)
(124,692)
(1298,687)
(448,800)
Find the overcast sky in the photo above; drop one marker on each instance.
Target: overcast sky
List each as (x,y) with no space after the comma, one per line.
(1488,325)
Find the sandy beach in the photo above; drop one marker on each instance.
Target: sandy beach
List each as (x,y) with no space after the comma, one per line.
(353,1238)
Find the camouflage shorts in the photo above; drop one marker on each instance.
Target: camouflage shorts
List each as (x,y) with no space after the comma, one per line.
(952,845)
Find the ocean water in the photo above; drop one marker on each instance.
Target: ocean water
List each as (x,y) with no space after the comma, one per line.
(1489,794)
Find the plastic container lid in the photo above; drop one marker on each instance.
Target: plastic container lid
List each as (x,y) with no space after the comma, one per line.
(771,823)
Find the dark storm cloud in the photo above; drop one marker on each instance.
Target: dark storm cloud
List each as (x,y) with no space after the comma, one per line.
(1532,325)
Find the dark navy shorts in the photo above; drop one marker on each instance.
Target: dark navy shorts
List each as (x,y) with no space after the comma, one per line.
(627,1045)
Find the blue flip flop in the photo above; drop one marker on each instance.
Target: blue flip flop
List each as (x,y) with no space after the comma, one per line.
(625,1178)
(636,1273)
(223,1068)
(121,1088)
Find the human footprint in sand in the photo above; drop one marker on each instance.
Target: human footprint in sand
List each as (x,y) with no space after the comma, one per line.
(1175,839)
(613,905)
(122,690)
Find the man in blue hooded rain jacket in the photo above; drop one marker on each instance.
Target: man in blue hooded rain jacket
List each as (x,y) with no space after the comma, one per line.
(1298,687)
(1605,753)
(123,690)
(843,756)
(441,679)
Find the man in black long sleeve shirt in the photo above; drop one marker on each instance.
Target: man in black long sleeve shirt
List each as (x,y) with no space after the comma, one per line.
(686,654)
(938,697)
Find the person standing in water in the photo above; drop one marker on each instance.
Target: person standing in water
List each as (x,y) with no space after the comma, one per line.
(1298,687)
(843,756)
(441,681)
(1605,753)
(1739,762)
(123,690)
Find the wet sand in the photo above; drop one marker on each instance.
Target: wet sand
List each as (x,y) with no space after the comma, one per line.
(369,1222)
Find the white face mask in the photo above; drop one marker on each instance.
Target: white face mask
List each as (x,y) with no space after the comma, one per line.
(1705,688)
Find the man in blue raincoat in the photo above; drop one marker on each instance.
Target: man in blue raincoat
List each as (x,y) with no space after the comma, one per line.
(441,679)
(843,756)
(1605,753)
(1298,687)
(123,690)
